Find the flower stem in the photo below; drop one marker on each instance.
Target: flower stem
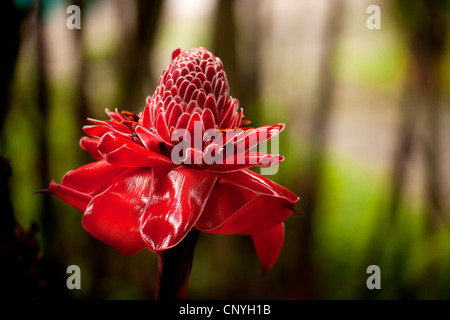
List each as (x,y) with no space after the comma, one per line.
(174,268)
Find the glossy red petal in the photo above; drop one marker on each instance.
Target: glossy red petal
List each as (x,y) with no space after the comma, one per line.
(258,183)
(113,216)
(114,126)
(234,210)
(208,119)
(226,117)
(191,106)
(225,200)
(161,127)
(175,53)
(245,160)
(175,115)
(195,123)
(201,98)
(195,130)
(146,120)
(268,246)
(210,104)
(251,138)
(95,131)
(189,91)
(90,145)
(126,153)
(192,157)
(92,178)
(115,115)
(184,84)
(177,200)
(149,140)
(75,198)
(236,120)
(183,121)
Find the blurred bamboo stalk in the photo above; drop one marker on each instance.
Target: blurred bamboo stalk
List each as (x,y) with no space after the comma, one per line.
(409,107)
(321,119)
(434,36)
(46,216)
(96,254)
(20,257)
(11,19)
(425,28)
(224,40)
(82,103)
(423,23)
(47,263)
(243,72)
(135,68)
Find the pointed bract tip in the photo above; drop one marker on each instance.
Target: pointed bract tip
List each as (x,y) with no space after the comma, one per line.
(263,272)
(41,191)
(175,53)
(48,190)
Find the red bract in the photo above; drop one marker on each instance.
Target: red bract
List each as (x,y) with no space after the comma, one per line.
(180,164)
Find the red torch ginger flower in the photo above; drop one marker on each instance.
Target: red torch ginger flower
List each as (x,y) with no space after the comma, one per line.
(180,164)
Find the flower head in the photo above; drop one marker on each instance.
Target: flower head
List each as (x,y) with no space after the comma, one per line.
(180,164)
(193,88)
